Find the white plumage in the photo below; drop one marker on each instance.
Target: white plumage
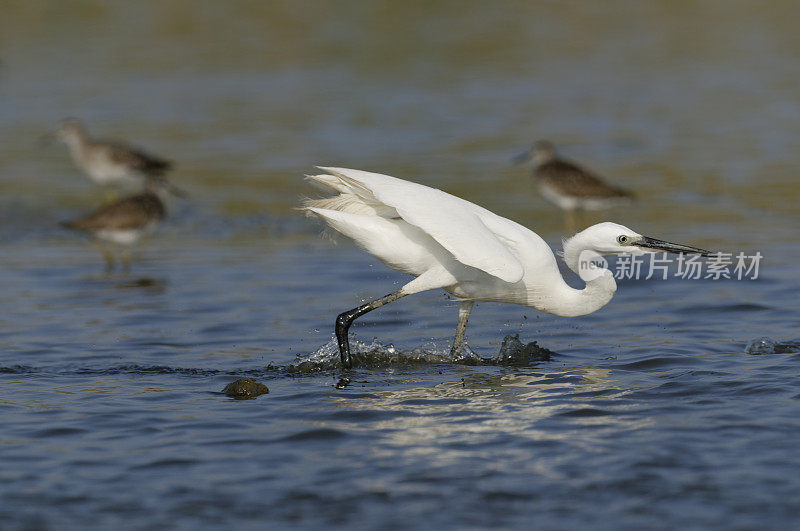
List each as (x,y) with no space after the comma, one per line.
(447,242)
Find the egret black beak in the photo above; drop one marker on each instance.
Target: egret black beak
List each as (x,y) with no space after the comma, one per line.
(660,245)
(522,158)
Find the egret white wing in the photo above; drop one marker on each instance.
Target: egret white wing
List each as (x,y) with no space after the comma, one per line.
(453,222)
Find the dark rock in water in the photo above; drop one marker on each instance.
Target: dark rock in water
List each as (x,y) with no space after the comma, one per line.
(761,345)
(767,345)
(245,388)
(514,352)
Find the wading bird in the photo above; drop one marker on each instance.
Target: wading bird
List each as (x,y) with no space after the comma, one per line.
(122,223)
(472,253)
(113,163)
(570,187)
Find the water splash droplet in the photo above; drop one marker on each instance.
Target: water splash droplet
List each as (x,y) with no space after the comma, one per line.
(766,345)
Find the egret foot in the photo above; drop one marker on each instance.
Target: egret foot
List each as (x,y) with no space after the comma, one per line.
(345,319)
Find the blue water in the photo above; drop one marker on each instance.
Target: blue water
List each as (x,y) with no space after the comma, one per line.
(650,414)
(664,410)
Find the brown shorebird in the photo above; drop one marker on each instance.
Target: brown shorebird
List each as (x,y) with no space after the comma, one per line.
(122,223)
(113,163)
(568,185)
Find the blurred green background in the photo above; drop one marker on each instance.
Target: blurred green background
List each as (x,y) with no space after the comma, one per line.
(694,105)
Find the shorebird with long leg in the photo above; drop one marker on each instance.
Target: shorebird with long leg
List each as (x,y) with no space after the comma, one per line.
(569,186)
(111,163)
(470,252)
(122,223)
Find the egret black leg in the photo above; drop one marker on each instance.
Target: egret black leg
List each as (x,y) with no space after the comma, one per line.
(463,316)
(345,319)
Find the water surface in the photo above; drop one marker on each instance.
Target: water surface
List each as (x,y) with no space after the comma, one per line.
(652,412)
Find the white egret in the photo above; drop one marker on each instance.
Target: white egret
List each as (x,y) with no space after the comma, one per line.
(472,253)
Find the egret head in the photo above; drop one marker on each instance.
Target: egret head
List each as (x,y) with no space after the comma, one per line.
(612,238)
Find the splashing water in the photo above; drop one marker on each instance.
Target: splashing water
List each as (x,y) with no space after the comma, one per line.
(767,345)
(376,355)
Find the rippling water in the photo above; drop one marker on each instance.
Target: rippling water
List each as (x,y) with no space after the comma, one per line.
(677,405)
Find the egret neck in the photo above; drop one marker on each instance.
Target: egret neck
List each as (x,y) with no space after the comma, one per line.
(571,302)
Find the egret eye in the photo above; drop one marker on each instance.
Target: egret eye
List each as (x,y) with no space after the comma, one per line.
(622,239)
